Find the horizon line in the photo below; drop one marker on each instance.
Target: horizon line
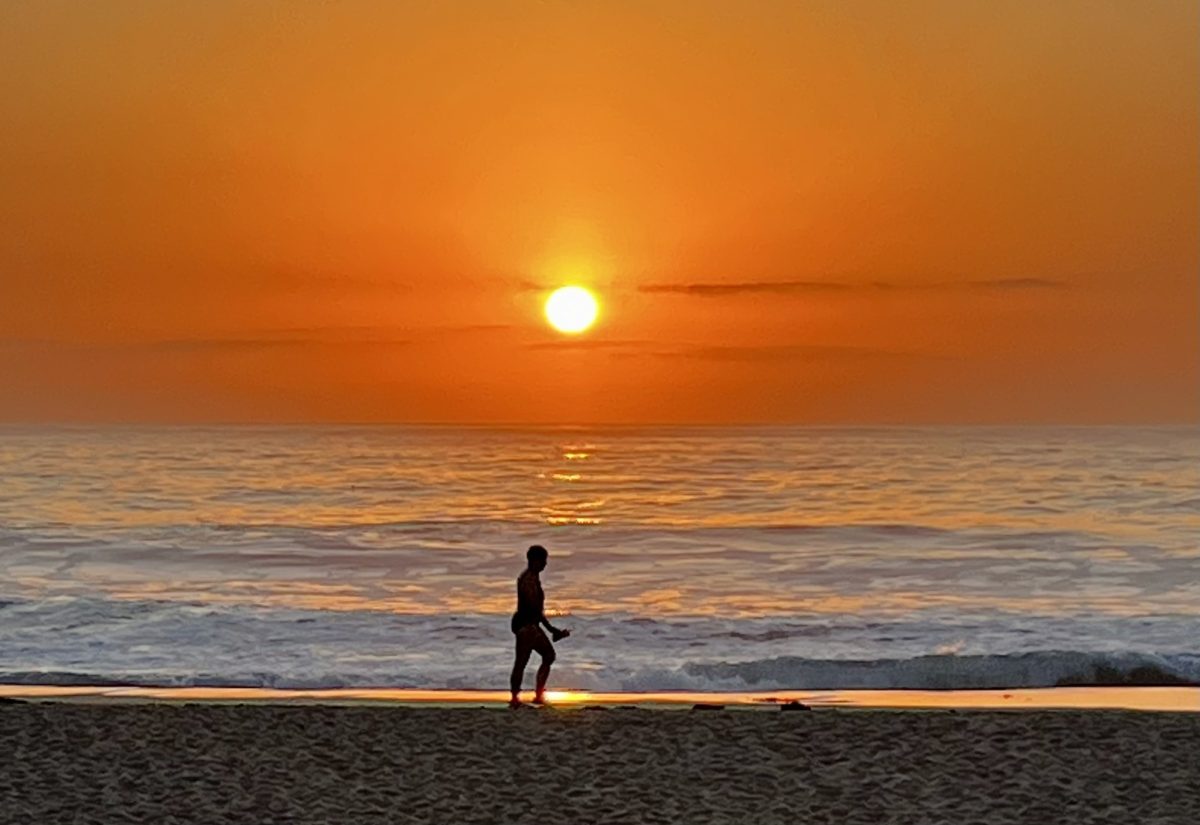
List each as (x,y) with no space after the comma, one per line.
(64,424)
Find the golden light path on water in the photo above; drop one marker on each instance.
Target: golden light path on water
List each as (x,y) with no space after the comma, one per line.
(757,521)
(1178,699)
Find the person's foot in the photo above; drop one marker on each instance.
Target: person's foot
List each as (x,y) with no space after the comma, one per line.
(514,702)
(539,699)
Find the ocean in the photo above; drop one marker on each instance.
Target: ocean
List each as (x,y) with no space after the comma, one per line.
(754,558)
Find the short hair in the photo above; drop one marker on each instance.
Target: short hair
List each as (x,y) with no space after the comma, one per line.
(536,552)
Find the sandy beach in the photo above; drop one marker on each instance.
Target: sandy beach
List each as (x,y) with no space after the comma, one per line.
(111,762)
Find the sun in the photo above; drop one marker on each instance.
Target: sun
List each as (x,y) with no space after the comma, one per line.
(571,309)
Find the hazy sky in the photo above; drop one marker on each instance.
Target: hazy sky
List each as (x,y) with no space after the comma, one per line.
(842,212)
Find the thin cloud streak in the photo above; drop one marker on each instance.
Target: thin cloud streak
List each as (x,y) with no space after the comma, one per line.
(235,344)
(587,344)
(717,289)
(192,345)
(292,337)
(748,353)
(713,290)
(454,329)
(790,353)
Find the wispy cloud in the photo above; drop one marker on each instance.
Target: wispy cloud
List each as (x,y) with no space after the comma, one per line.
(455,329)
(266,343)
(791,353)
(743,287)
(588,344)
(268,340)
(264,339)
(750,353)
(717,289)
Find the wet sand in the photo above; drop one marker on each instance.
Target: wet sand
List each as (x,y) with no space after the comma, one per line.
(1168,698)
(121,762)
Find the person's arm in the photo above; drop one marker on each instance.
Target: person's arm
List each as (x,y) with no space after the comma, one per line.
(555,633)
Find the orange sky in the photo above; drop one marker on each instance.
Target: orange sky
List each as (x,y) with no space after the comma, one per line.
(841,213)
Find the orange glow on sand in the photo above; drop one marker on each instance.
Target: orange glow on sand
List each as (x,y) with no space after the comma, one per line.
(1177,699)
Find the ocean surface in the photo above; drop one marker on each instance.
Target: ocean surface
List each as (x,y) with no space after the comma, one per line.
(703,558)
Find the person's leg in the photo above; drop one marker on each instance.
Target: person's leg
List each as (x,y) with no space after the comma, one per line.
(524,648)
(543,646)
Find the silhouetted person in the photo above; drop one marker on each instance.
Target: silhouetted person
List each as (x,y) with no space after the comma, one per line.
(527,626)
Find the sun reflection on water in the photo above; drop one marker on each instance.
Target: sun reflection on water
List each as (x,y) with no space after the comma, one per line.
(735,521)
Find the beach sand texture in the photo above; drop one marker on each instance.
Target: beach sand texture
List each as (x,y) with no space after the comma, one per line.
(195,763)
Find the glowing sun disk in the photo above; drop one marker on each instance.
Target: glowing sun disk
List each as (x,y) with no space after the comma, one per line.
(571,309)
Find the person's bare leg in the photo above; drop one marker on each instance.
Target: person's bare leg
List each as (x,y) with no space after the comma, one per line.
(543,674)
(518,671)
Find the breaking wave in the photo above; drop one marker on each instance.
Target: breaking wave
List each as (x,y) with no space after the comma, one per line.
(954,672)
(935,672)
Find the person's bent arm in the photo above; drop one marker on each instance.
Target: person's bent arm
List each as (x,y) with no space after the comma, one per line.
(555,633)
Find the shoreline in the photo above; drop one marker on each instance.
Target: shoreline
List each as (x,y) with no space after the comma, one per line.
(1141,698)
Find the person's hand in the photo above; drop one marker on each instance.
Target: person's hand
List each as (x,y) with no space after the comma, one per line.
(557,634)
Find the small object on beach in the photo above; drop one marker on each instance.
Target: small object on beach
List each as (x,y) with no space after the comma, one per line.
(703,706)
(794,705)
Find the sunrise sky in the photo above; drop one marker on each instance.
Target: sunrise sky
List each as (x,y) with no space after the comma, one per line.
(791,212)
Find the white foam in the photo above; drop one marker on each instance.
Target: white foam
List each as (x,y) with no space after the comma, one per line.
(103,641)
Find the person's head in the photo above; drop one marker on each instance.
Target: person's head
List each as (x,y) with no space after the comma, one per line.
(537,557)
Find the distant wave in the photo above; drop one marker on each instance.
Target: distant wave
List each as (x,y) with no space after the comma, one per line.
(937,672)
